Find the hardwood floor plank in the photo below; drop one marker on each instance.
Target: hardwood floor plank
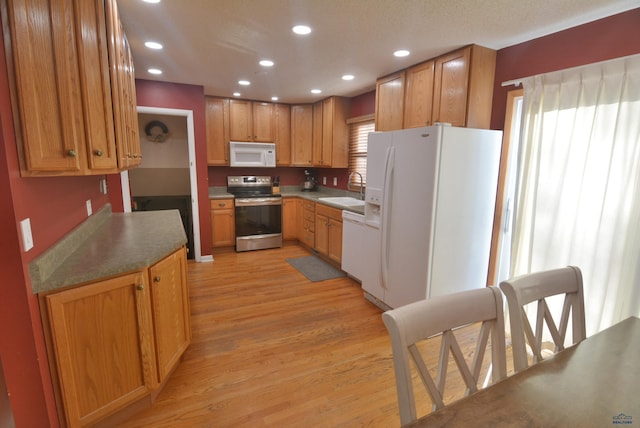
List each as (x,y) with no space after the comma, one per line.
(270,348)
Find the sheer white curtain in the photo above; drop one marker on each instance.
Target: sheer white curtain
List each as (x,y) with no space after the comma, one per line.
(578,193)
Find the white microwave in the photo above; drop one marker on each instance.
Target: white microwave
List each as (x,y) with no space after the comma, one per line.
(252,154)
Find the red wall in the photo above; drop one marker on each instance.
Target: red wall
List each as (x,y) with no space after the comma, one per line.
(611,37)
(185,97)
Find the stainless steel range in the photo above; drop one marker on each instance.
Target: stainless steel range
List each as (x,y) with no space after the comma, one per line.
(258,212)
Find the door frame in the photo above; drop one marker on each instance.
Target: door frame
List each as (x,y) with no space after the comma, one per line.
(499,214)
(193,179)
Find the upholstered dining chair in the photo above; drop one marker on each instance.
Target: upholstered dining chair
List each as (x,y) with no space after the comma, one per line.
(410,325)
(537,287)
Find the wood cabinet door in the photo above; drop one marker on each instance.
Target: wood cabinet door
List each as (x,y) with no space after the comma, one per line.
(263,122)
(96,85)
(334,246)
(44,68)
(240,120)
(217,124)
(223,231)
(451,88)
(390,102)
(418,100)
(301,135)
(289,218)
(283,134)
(123,91)
(317,130)
(335,132)
(103,344)
(322,234)
(170,309)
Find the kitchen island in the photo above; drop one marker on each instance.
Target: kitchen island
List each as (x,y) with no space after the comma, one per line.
(115,310)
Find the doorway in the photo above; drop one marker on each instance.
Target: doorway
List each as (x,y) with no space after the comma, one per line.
(166,179)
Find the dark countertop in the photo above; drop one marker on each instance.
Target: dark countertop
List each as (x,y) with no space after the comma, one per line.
(108,244)
(296,191)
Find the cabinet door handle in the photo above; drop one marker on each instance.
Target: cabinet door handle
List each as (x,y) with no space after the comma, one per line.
(139,287)
(156,279)
(98,153)
(221,205)
(72,153)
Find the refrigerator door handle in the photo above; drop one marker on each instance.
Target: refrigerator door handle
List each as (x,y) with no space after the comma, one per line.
(385,214)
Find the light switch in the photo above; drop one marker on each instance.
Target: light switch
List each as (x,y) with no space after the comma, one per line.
(103,186)
(27,238)
(335,181)
(89,209)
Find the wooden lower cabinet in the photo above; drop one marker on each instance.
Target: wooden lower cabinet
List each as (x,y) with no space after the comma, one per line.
(329,232)
(290,218)
(223,223)
(170,309)
(307,226)
(112,341)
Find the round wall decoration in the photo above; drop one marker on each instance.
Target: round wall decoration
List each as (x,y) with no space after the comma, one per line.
(156,131)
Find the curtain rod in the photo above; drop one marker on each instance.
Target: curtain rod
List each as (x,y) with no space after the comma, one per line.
(514,82)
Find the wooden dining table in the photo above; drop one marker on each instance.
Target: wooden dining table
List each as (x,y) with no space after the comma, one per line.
(595,383)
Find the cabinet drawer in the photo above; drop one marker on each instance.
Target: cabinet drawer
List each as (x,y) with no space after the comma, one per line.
(307,205)
(330,212)
(309,216)
(308,238)
(220,204)
(309,226)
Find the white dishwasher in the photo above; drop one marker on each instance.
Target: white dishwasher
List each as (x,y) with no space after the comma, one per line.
(353,261)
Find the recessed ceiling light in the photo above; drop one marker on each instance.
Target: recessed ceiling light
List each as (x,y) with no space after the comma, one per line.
(316,91)
(244,82)
(348,77)
(301,29)
(401,53)
(266,63)
(274,98)
(151,1)
(153,45)
(236,94)
(154,71)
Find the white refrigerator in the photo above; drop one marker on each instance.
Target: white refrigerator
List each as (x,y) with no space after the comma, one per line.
(429,204)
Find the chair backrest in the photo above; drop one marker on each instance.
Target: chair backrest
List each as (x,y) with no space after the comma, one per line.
(536,287)
(413,323)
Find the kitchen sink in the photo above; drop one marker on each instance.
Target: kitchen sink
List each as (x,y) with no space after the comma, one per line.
(345,201)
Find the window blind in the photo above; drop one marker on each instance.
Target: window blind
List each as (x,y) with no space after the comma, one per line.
(358,136)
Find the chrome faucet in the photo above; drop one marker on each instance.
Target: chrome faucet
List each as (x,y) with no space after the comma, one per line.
(361,188)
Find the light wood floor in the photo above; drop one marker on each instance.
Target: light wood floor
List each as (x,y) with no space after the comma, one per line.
(271,348)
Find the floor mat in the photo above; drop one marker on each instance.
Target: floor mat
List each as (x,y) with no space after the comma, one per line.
(314,268)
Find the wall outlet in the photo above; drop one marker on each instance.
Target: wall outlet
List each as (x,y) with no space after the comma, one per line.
(89,209)
(335,181)
(103,186)
(324,181)
(27,238)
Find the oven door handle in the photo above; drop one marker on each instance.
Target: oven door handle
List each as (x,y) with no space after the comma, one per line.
(255,202)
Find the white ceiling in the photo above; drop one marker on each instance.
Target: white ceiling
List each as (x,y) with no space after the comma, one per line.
(215,43)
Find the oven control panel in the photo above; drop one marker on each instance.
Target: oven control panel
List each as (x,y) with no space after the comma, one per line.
(248,180)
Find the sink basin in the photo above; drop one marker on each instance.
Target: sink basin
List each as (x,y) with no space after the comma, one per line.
(345,201)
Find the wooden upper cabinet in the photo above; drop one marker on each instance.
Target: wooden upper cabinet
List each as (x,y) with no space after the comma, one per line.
(454,88)
(217,124)
(316,140)
(123,91)
(451,86)
(251,121)
(65,114)
(463,87)
(264,122)
(335,133)
(301,134)
(418,97)
(283,134)
(390,102)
